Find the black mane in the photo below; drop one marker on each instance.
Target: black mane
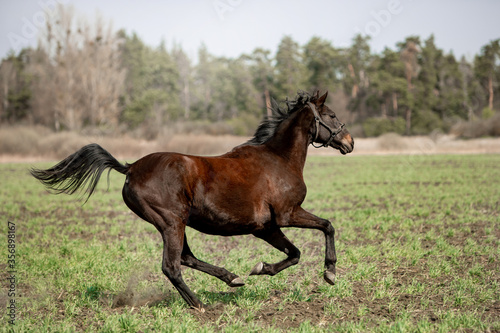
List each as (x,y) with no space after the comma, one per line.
(270,124)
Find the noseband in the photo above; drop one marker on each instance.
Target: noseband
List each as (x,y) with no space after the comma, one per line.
(319,122)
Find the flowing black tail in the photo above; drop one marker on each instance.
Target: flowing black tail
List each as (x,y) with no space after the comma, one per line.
(81,168)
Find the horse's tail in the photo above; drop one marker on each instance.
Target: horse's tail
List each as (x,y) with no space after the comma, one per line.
(83,168)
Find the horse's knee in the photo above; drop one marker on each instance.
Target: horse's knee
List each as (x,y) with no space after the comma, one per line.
(328,228)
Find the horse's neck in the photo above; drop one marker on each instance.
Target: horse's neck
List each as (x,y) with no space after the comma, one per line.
(292,138)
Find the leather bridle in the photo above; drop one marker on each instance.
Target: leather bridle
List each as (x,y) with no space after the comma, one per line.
(319,122)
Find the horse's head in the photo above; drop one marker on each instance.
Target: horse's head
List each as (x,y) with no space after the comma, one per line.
(327,130)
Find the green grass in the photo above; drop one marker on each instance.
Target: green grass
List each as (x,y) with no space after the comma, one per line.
(417,240)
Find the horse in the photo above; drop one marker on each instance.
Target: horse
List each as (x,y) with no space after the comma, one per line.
(256,188)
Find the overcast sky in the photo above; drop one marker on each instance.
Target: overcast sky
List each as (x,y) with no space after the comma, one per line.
(232,27)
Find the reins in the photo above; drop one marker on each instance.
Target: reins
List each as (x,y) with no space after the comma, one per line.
(319,122)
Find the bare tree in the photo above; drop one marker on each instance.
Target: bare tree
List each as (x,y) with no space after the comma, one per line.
(7,76)
(78,73)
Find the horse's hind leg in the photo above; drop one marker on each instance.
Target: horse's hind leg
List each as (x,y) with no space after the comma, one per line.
(172,229)
(277,239)
(172,232)
(171,264)
(188,259)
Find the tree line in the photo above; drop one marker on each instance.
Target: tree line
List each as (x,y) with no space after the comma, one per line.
(88,75)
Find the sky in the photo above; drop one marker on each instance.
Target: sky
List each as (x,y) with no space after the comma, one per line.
(230,28)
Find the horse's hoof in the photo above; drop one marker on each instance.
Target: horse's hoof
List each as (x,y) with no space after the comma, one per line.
(257,269)
(200,307)
(237,282)
(329,277)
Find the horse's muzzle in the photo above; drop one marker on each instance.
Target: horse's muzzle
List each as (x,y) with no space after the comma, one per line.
(346,145)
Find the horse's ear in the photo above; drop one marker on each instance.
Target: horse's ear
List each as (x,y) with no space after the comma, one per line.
(321,100)
(315,96)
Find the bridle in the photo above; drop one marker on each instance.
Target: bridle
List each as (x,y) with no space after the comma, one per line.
(319,122)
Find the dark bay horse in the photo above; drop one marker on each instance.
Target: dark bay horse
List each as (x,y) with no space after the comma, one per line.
(256,188)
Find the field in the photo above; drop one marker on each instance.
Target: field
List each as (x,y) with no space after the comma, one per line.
(417,241)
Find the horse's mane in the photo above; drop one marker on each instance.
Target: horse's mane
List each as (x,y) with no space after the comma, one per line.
(279,113)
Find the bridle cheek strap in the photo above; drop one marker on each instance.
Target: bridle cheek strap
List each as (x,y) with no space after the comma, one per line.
(319,122)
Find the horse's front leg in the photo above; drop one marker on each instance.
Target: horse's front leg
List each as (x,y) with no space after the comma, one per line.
(303,219)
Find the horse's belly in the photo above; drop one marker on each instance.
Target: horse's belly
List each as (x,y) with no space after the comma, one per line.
(239,221)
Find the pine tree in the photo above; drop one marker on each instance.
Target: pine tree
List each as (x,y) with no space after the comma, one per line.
(359,59)
(487,68)
(290,69)
(324,64)
(389,87)
(262,72)
(152,97)
(15,87)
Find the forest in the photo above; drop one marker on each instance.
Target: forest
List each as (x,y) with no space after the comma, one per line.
(86,75)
